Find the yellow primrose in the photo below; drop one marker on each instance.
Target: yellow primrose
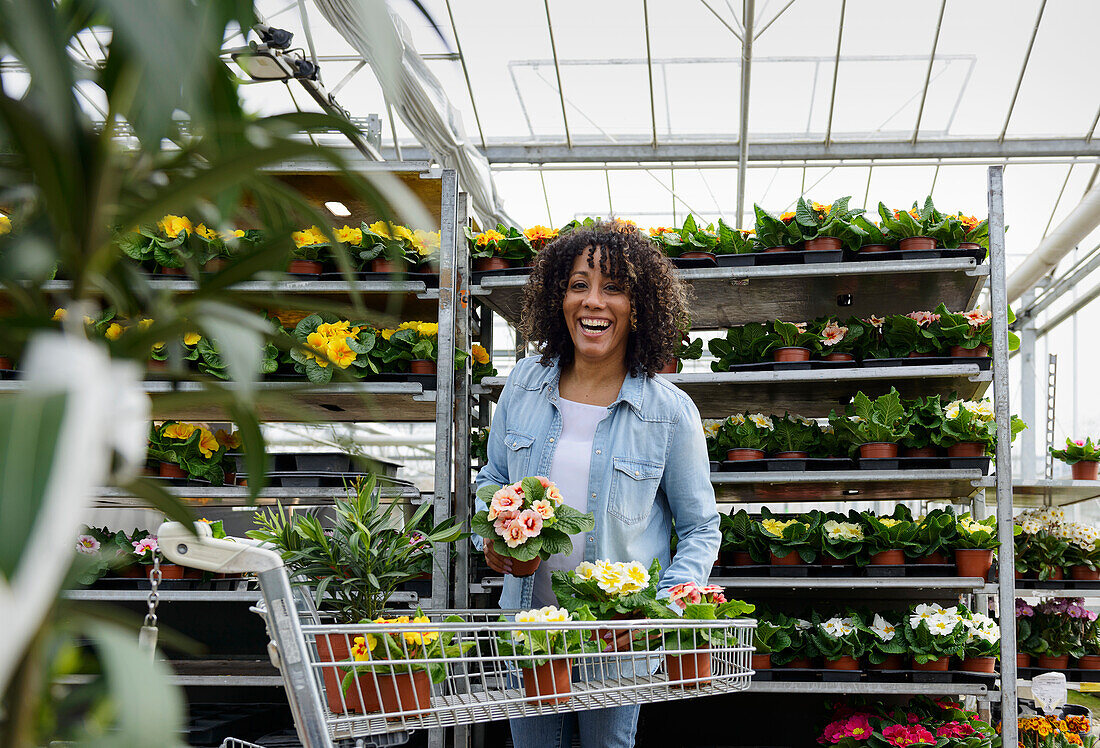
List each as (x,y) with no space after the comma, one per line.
(401,232)
(309,237)
(776,527)
(486,237)
(228,440)
(428,329)
(114,330)
(173,226)
(361,646)
(5,224)
(208,445)
(349,235)
(191,338)
(889,521)
(238,233)
(206,233)
(382,229)
(341,353)
(181,431)
(480,355)
(409,325)
(430,239)
(386,333)
(60,314)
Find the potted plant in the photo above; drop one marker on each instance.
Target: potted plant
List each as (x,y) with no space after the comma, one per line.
(791,341)
(839,342)
(543,655)
(740,543)
(840,640)
(539,236)
(974,545)
(924,416)
(145,549)
(971,333)
(800,652)
(982,645)
(877,238)
(1025,638)
(915,229)
(500,248)
(1058,628)
(745,344)
(308,254)
(418,343)
(792,436)
(185,450)
(745,436)
(790,542)
(888,539)
(686,658)
(842,538)
(733,241)
(876,426)
(686,350)
(608,591)
(426,250)
(911,335)
(1089,656)
(1082,554)
(968,428)
(479,444)
(1083,457)
(975,233)
(935,536)
(885,646)
(934,635)
(767,638)
(387,248)
(157,243)
(776,234)
(352,566)
(532,520)
(829,227)
(871,345)
(481,363)
(388,682)
(326,343)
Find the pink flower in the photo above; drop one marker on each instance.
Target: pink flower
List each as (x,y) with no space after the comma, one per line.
(977,317)
(505,500)
(833,333)
(86,544)
(554,494)
(514,534)
(531,521)
(543,481)
(954,730)
(923,318)
(874,321)
(857,727)
(148,543)
(502,521)
(714,593)
(687,592)
(1079,442)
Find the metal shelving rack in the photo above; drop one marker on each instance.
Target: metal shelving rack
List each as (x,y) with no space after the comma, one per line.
(729,296)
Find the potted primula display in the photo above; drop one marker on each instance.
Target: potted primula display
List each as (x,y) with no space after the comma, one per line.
(841,640)
(768,638)
(982,645)
(792,436)
(877,237)
(876,426)
(309,252)
(791,341)
(741,545)
(380,683)
(186,450)
(531,519)
(326,343)
(1083,458)
(790,542)
(1081,555)
(608,590)
(916,228)
(888,539)
(921,722)
(481,363)
(744,436)
(543,655)
(419,341)
(744,344)
(144,553)
(968,428)
(1088,658)
(934,635)
(1042,542)
(970,333)
(975,233)
(500,248)
(842,538)
(539,236)
(885,645)
(388,248)
(1057,630)
(912,335)
(924,417)
(974,545)
(686,658)
(829,227)
(935,536)
(776,234)
(686,350)
(839,342)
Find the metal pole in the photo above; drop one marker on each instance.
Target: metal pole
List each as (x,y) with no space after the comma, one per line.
(836,72)
(1005,555)
(1015,93)
(1029,382)
(465,72)
(649,66)
(928,74)
(462,433)
(557,72)
(749,11)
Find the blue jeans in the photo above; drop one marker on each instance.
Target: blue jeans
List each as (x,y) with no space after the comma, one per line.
(598,728)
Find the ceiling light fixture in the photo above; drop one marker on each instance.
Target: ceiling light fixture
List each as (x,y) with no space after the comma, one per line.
(337,209)
(271,59)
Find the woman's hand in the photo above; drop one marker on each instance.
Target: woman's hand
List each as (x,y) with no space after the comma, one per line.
(498,563)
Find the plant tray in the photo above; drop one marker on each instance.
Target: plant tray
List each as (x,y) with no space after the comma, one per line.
(694,262)
(924,463)
(815,364)
(799,257)
(431,280)
(984,362)
(775,465)
(814,675)
(744,260)
(885,570)
(916,254)
(786,465)
(209,724)
(477,275)
(1058,584)
(10,374)
(299,479)
(834,571)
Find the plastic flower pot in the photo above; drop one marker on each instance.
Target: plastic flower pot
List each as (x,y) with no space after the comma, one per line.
(914,354)
(491,263)
(334,648)
(822,243)
(304,267)
(1089,662)
(872,450)
(933,558)
(939,665)
(154,365)
(979,664)
(980,351)
(1023,659)
(608,635)
(736,455)
(874,248)
(404,692)
(169,470)
(792,455)
(1053,662)
(842,663)
(421,366)
(918,452)
(742,558)
(1084,470)
(669,368)
(5,363)
(971,562)
(778,249)
(969,245)
(697,255)
(382,265)
(791,353)
(170,271)
(133,571)
(1083,572)
(966,449)
(838,357)
(791,559)
(693,667)
(550,682)
(215,265)
(916,242)
(761,662)
(168,571)
(893,557)
(525,568)
(362,694)
(802,663)
(892,662)
(1056,574)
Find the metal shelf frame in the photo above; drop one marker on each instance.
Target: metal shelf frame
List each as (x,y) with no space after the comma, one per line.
(233,496)
(848,485)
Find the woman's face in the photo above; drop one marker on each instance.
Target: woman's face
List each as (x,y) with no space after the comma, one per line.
(597,312)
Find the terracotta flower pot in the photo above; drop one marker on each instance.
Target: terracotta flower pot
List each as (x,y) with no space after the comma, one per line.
(969,245)
(422,366)
(892,662)
(802,663)
(970,562)
(609,635)
(873,450)
(939,665)
(669,368)
(1089,662)
(525,568)
(892,557)
(362,693)
(215,265)
(791,353)
(305,267)
(838,357)
(966,449)
(739,454)
(1023,659)
(382,265)
(491,263)
(155,365)
(168,470)
(335,648)
(742,558)
(918,452)
(822,243)
(170,271)
(791,559)
(957,351)
(404,692)
(1085,470)
(979,664)
(761,662)
(874,248)
(1084,573)
(843,663)
(914,354)
(697,255)
(1057,573)
(933,558)
(691,667)
(778,249)
(551,682)
(792,455)
(168,571)
(916,242)
(1053,662)
(5,363)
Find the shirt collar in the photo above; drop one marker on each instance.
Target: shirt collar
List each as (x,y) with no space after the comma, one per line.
(632,390)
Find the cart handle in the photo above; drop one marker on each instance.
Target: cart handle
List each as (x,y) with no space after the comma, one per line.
(200,550)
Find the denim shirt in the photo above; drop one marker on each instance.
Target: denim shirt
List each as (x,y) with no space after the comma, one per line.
(649,467)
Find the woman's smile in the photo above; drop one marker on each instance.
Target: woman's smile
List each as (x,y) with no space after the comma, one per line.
(597,308)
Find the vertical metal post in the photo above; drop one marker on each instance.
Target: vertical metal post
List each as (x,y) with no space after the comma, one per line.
(1005,555)
(462,433)
(748,13)
(1052,392)
(1029,381)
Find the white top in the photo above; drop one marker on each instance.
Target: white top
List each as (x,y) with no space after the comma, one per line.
(569,471)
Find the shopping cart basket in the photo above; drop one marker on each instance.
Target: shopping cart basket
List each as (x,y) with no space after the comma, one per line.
(380,681)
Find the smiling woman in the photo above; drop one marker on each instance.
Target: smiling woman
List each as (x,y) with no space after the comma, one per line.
(604,308)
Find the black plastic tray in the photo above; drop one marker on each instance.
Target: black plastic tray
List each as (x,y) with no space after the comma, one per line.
(431,280)
(833,571)
(745,260)
(983,362)
(10,374)
(694,262)
(1058,584)
(774,464)
(924,463)
(813,364)
(799,257)
(428,381)
(477,275)
(916,254)
(815,675)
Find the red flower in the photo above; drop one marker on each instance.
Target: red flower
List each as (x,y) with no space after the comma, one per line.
(954,730)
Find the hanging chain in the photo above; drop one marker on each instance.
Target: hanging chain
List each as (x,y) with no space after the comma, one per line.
(154,584)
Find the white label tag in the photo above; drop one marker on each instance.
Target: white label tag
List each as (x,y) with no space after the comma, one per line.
(1049,691)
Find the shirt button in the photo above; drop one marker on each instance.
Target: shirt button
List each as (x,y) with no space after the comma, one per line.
(551,438)
(591,540)
(597,451)
(636,473)
(593,496)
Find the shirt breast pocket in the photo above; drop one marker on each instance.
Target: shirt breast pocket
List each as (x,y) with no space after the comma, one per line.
(634,485)
(519,454)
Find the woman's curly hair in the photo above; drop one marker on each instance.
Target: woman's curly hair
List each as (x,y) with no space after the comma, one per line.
(658,299)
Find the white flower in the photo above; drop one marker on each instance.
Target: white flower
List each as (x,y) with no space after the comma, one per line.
(802,624)
(761,421)
(710,427)
(737,419)
(924,612)
(86,544)
(842,530)
(585,570)
(883,628)
(839,627)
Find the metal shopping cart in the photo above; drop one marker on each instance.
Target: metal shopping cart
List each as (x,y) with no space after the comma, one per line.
(372,684)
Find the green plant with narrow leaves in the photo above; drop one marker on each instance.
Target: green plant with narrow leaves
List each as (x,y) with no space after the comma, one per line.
(745,344)
(835,220)
(772,231)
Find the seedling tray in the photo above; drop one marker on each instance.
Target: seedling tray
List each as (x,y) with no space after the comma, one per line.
(983,362)
(815,675)
(834,570)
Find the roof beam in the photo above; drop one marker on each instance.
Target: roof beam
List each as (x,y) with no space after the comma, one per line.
(557,72)
(928,74)
(649,67)
(465,72)
(1023,69)
(749,14)
(836,71)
